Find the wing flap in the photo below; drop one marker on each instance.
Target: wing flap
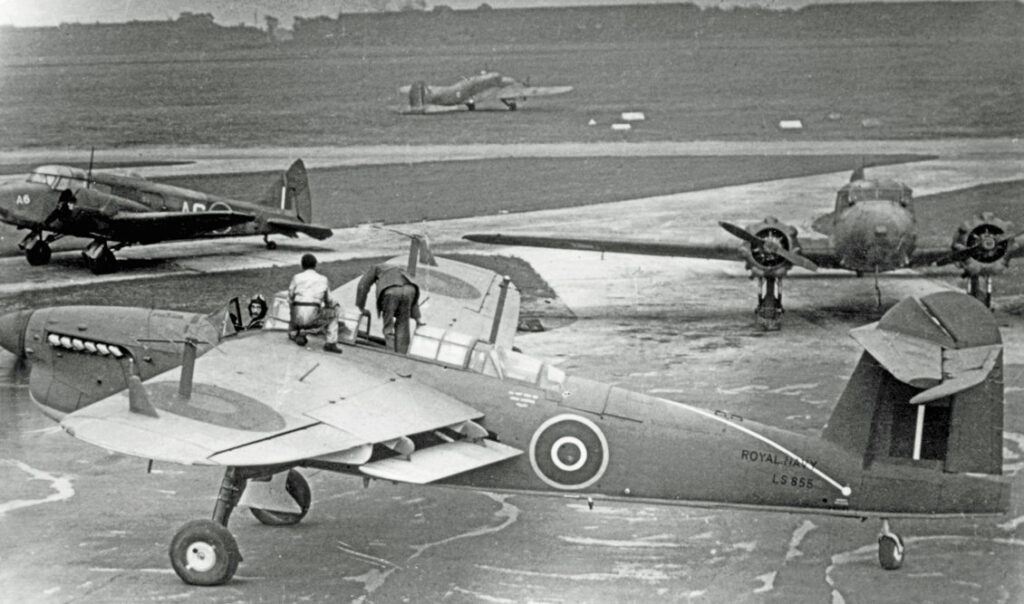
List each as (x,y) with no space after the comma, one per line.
(440,462)
(392,410)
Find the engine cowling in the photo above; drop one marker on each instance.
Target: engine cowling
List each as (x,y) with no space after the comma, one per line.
(983,244)
(761,260)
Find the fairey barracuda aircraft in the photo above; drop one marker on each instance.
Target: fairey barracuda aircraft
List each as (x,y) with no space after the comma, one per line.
(469,91)
(116,211)
(917,433)
(872,230)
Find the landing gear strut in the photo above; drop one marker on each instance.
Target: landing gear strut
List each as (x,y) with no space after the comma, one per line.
(890,547)
(510,103)
(204,552)
(271,245)
(769,303)
(980,286)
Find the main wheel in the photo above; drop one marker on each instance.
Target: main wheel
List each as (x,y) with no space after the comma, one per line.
(204,553)
(38,254)
(104,263)
(298,488)
(271,245)
(890,551)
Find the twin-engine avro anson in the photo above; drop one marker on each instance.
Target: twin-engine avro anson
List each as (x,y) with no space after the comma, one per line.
(872,230)
(916,433)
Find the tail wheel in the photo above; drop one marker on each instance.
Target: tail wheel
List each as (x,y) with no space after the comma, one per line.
(38,254)
(890,551)
(204,553)
(298,488)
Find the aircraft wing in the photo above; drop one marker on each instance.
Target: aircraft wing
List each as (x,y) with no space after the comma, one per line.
(712,251)
(817,250)
(522,92)
(259,400)
(160,226)
(291,227)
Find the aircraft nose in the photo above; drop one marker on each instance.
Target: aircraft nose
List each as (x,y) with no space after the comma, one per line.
(12,331)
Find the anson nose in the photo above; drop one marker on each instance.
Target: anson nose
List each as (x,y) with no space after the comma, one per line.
(12,331)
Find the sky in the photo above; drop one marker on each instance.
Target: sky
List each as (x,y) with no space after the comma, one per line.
(27,13)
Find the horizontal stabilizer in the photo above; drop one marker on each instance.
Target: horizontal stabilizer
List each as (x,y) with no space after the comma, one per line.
(286,226)
(441,461)
(962,369)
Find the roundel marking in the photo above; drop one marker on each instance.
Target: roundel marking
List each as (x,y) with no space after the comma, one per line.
(569,452)
(220,206)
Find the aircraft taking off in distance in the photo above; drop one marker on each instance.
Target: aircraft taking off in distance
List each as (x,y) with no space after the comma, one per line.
(116,211)
(915,434)
(872,230)
(486,85)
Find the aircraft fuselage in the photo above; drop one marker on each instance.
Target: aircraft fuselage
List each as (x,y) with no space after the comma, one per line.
(579,436)
(874,235)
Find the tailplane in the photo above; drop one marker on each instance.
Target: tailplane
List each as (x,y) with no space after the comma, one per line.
(928,388)
(290,193)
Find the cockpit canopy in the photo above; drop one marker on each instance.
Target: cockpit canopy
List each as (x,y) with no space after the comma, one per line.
(59,178)
(874,190)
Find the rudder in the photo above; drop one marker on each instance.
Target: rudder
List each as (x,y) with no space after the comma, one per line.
(290,193)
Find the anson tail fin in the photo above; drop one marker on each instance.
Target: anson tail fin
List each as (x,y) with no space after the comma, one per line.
(928,388)
(290,193)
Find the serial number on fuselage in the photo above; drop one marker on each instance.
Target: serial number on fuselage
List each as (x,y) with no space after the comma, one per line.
(777,459)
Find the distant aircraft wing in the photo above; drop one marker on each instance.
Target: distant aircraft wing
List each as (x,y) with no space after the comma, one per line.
(712,251)
(427,109)
(259,400)
(522,92)
(816,250)
(291,227)
(161,226)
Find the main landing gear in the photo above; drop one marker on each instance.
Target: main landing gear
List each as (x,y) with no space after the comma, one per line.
(510,103)
(471,105)
(769,303)
(980,286)
(890,548)
(37,249)
(99,257)
(204,552)
(271,245)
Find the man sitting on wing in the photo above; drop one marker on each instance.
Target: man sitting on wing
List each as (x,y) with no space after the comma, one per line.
(398,298)
(311,305)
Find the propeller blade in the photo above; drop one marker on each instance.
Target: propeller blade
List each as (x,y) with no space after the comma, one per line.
(961,255)
(792,257)
(741,233)
(796,259)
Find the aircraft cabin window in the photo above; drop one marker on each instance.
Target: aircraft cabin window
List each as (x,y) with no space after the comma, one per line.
(39,179)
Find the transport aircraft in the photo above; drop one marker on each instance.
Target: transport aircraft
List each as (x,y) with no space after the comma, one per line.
(917,432)
(873,229)
(116,211)
(486,85)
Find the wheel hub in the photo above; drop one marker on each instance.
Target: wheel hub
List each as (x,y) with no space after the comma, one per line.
(200,557)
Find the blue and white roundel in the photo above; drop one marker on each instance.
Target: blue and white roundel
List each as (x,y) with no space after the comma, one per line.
(569,452)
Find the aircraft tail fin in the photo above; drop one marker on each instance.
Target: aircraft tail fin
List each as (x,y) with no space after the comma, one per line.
(927,389)
(290,193)
(418,95)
